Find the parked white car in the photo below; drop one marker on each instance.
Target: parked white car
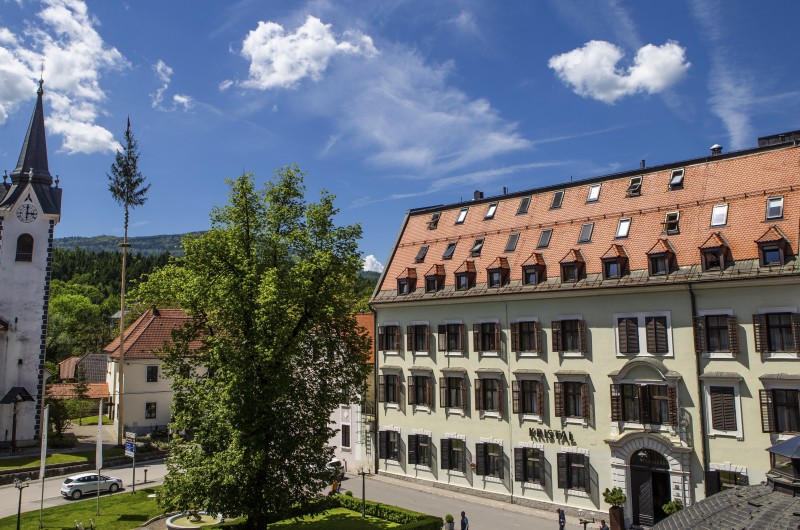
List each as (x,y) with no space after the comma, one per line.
(76,486)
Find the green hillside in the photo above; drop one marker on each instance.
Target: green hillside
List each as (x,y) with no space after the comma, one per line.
(146,245)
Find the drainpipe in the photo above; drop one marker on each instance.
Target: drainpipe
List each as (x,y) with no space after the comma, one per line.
(510,426)
(375,388)
(700,401)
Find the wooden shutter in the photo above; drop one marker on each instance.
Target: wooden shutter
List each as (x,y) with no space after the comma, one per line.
(382,388)
(501,400)
(723,411)
(444,444)
(713,482)
(657,335)
(498,345)
(515,408)
(796,331)
(563,464)
(397,389)
(700,343)
(443,392)
(412,448)
(616,402)
(501,472)
(427,343)
(519,464)
(462,337)
(540,454)
(515,336)
(480,459)
(382,338)
(582,345)
(429,394)
(462,387)
(622,334)
(587,476)
(537,336)
(767,411)
(539,398)
(555,327)
(476,337)
(410,338)
(558,392)
(585,408)
(733,334)
(398,338)
(650,328)
(478,395)
(760,332)
(644,404)
(672,396)
(412,394)
(442,338)
(383,445)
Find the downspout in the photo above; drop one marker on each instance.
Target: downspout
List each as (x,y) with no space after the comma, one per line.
(375,388)
(700,401)
(510,426)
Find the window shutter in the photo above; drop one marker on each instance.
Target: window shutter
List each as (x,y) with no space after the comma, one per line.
(541,467)
(398,338)
(412,448)
(561,462)
(501,400)
(622,333)
(397,388)
(462,333)
(442,339)
(444,444)
(662,342)
(410,338)
(555,327)
(381,338)
(644,404)
(767,411)
(587,476)
(585,408)
(515,336)
(558,392)
(480,459)
(498,345)
(412,394)
(539,398)
(502,469)
(537,335)
(382,445)
(382,388)
(672,396)
(515,397)
(700,334)
(733,334)
(713,482)
(723,412)
(429,394)
(796,331)
(476,337)
(462,386)
(582,345)
(760,332)
(442,392)
(478,395)
(426,343)
(616,402)
(519,464)
(650,327)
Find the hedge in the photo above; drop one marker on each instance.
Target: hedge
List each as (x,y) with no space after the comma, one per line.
(409,520)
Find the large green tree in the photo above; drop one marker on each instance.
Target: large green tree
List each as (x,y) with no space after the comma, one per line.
(271,289)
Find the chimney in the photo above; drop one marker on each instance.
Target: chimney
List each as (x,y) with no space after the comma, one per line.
(155,312)
(477,195)
(716,150)
(643,165)
(505,190)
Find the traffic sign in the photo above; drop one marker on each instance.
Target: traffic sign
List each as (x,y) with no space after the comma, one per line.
(130,444)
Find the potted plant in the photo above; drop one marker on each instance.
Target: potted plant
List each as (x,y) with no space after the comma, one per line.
(449,522)
(616,514)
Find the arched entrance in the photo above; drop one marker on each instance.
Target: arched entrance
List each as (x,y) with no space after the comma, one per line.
(650,486)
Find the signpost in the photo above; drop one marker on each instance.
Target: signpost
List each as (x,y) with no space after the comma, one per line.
(130,450)
(43,457)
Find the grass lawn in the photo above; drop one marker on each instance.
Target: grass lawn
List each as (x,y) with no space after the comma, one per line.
(91,420)
(57,458)
(336,519)
(117,512)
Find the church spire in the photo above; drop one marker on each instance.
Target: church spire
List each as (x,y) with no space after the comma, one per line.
(34,148)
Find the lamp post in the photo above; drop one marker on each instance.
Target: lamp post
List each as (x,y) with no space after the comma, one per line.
(20,485)
(364,472)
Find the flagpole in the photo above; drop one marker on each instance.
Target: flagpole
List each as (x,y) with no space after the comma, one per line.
(43,456)
(99,452)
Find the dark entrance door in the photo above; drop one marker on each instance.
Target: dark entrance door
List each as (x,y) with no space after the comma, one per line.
(649,486)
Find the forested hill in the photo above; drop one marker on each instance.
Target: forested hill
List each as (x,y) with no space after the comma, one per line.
(145,245)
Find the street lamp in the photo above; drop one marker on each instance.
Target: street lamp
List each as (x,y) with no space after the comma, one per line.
(20,485)
(363,473)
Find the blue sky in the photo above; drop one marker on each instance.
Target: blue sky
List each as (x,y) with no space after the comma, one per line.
(389,105)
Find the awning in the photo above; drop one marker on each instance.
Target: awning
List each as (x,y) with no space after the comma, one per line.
(790,448)
(454,369)
(17,394)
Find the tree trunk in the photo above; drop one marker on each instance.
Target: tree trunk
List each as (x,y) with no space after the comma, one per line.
(616,518)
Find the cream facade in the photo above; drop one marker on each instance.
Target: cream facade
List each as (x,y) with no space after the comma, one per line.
(148,394)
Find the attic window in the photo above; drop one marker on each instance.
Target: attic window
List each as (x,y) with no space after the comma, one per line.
(719,215)
(569,272)
(558,198)
(464,281)
(524,203)
(544,238)
(404,286)
(495,277)
(612,268)
(775,208)
(511,245)
(772,253)
(475,251)
(491,211)
(676,181)
(671,223)
(448,253)
(623,228)
(713,259)
(659,264)
(461,216)
(594,193)
(434,221)
(421,254)
(586,233)
(635,187)
(532,275)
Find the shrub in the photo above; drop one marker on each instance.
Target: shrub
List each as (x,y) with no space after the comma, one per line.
(348,493)
(449,518)
(672,507)
(614,497)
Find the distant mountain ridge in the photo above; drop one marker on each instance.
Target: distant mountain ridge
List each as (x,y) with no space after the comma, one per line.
(146,245)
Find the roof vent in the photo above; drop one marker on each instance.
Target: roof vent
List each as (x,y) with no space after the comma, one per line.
(716,150)
(477,195)
(643,165)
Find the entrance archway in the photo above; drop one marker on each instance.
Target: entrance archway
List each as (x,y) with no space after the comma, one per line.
(650,486)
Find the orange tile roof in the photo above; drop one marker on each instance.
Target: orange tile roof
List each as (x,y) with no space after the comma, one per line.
(772,234)
(744,181)
(366,321)
(615,251)
(148,335)
(66,368)
(67,390)
(715,240)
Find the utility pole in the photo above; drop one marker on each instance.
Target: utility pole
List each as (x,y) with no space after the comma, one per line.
(120,386)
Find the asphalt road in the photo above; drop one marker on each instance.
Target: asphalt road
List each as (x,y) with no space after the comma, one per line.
(31,496)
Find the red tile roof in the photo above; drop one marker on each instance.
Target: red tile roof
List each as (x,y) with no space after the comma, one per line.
(66,368)
(67,390)
(366,321)
(148,335)
(615,251)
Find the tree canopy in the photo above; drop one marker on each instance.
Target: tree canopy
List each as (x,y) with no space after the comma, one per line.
(271,290)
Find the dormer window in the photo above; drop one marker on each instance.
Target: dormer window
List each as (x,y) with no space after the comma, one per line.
(24,248)
(615,262)
(495,278)
(533,270)
(586,233)
(403,286)
(659,265)
(558,198)
(635,187)
(431,284)
(594,193)
(713,260)
(611,269)
(511,245)
(407,281)
(676,180)
(530,275)
(524,204)
(434,279)
(434,222)
(465,276)
(475,251)
(491,211)
(573,267)
(671,225)
(773,247)
(448,253)
(771,255)
(660,258)
(569,272)
(775,208)
(462,281)
(497,273)
(421,254)
(462,215)
(714,252)
(544,238)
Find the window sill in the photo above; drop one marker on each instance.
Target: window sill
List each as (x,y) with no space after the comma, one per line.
(783,436)
(422,408)
(422,467)
(783,355)
(491,414)
(492,478)
(532,417)
(572,355)
(575,421)
(577,493)
(456,473)
(395,406)
(726,434)
(347,449)
(420,353)
(719,355)
(456,411)
(390,352)
(532,486)
(489,354)
(528,354)
(645,354)
(454,354)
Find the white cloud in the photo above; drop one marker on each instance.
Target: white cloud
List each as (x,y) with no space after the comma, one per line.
(225,85)
(6,37)
(74,56)
(592,70)
(182,100)
(372,264)
(465,22)
(280,60)
(164,74)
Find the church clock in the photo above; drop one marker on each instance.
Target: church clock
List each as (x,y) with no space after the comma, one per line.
(27,213)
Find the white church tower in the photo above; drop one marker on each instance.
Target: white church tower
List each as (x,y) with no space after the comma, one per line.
(30,207)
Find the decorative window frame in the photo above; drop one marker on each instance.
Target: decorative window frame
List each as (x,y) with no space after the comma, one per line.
(577,451)
(528,354)
(399,345)
(462,438)
(571,354)
(421,353)
(584,379)
(731,382)
(496,441)
(495,353)
(539,447)
(432,457)
(713,313)
(784,355)
(399,431)
(499,376)
(642,331)
(771,383)
(397,372)
(465,347)
(538,376)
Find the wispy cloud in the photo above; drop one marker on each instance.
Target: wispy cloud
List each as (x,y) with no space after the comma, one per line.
(179,101)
